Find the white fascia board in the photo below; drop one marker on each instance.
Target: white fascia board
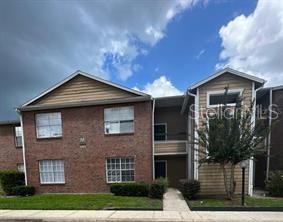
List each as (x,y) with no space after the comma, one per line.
(229,70)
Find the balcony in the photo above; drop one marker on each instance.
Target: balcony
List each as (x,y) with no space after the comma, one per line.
(166,144)
(170,147)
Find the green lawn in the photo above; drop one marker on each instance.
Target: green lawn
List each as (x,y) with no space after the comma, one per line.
(249,201)
(78,202)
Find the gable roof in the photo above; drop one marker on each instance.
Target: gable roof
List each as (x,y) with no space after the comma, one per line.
(138,93)
(231,71)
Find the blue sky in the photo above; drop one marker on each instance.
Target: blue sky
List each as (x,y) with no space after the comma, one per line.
(190,50)
(160,47)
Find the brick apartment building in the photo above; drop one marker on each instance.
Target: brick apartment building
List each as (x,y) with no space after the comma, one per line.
(85,133)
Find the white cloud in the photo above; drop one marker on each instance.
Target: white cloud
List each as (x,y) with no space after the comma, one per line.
(118,32)
(160,87)
(201,52)
(254,43)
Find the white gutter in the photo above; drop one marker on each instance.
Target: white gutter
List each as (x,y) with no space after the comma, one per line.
(269,134)
(195,133)
(23,147)
(153,145)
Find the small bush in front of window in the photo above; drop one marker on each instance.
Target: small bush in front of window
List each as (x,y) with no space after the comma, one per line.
(158,188)
(130,189)
(23,190)
(11,179)
(275,184)
(190,188)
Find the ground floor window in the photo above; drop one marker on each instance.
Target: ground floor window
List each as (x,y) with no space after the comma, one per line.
(51,171)
(20,167)
(120,169)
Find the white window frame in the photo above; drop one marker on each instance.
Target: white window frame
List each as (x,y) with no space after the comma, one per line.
(16,136)
(51,136)
(217,92)
(120,158)
(119,121)
(165,124)
(53,172)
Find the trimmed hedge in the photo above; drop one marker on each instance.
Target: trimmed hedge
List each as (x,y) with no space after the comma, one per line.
(158,188)
(275,184)
(190,188)
(11,179)
(154,190)
(130,189)
(23,191)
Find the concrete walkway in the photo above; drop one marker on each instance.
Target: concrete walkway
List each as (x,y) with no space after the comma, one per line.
(136,216)
(174,201)
(175,210)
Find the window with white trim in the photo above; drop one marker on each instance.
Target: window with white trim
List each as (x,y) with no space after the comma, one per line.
(51,171)
(119,120)
(48,125)
(18,136)
(216,98)
(120,169)
(160,131)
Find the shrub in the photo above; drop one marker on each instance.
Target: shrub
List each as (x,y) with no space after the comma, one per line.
(190,188)
(130,189)
(23,190)
(275,184)
(158,188)
(11,179)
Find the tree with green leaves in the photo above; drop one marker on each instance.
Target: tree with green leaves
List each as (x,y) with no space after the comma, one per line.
(228,136)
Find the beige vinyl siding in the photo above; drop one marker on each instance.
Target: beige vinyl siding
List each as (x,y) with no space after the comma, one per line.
(211,176)
(212,182)
(167,147)
(80,89)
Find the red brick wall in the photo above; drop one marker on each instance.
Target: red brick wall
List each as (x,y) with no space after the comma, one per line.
(85,167)
(9,154)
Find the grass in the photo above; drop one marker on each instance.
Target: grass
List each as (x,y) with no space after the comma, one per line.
(78,202)
(249,201)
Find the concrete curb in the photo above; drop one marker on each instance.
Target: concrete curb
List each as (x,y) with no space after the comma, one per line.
(136,216)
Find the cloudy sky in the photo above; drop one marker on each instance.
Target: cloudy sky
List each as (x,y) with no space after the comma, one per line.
(160,47)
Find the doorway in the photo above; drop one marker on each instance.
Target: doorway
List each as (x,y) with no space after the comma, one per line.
(160,169)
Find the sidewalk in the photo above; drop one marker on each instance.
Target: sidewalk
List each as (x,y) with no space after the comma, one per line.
(137,216)
(174,201)
(175,209)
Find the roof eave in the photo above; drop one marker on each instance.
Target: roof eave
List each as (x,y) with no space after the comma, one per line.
(229,70)
(10,122)
(85,103)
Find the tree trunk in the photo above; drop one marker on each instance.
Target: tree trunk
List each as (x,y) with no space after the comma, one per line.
(225,181)
(229,184)
(232,181)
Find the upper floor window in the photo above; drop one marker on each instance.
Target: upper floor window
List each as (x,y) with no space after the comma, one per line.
(160,131)
(216,98)
(18,136)
(119,120)
(48,125)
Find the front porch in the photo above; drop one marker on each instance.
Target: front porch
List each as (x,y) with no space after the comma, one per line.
(171,167)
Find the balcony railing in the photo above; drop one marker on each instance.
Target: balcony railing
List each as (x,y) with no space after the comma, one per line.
(170,143)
